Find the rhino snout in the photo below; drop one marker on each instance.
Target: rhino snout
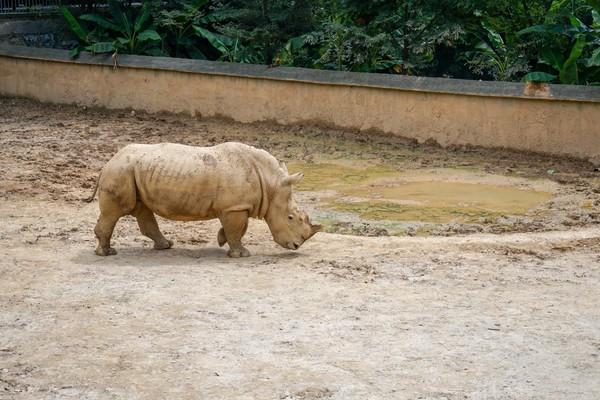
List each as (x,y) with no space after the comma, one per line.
(294,245)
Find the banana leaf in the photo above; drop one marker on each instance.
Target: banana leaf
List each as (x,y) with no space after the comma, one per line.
(148,34)
(81,33)
(539,77)
(103,22)
(101,47)
(569,73)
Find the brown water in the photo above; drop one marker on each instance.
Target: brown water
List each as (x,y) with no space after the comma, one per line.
(382,193)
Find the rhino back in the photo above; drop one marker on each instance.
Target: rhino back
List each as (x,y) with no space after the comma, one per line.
(191,183)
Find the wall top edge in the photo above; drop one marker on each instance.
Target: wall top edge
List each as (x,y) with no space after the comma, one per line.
(358,79)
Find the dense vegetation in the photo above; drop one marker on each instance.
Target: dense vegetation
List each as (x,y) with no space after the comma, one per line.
(511,40)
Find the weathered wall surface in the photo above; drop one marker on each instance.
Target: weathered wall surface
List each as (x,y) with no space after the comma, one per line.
(38,32)
(553,119)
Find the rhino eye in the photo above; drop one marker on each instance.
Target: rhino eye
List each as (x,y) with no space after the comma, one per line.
(290,217)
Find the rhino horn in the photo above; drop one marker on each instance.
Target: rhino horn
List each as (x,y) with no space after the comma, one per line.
(292,179)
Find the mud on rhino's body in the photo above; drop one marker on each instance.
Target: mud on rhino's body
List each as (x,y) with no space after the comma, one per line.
(231,181)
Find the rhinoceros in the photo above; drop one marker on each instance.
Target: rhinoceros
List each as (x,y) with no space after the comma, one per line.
(230,181)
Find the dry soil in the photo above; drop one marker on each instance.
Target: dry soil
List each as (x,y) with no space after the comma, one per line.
(506,307)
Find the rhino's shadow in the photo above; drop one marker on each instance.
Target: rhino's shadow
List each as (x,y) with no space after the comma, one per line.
(148,257)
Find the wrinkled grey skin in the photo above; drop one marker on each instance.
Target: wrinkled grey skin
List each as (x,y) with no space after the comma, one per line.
(230,181)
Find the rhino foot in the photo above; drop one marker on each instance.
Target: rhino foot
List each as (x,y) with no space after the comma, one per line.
(238,252)
(109,251)
(163,245)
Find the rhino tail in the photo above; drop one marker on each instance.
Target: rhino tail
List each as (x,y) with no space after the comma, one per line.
(91,198)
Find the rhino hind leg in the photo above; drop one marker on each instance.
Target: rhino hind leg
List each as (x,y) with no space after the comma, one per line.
(116,198)
(149,227)
(104,230)
(235,224)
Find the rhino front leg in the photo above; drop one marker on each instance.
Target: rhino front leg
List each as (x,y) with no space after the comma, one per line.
(235,224)
(149,227)
(222,239)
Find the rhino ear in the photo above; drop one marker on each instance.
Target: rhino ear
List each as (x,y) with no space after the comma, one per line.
(292,179)
(283,166)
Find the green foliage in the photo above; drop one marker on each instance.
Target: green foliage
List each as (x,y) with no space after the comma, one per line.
(350,48)
(539,77)
(129,29)
(572,47)
(185,28)
(492,56)
(261,29)
(157,28)
(415,30)
(123,31)
(559,40)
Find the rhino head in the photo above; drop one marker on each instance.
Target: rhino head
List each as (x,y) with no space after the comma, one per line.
(289,225)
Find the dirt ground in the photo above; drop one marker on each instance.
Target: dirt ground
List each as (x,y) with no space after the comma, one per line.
(502,308)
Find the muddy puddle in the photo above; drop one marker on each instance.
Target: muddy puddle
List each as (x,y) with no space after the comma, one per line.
(399,200)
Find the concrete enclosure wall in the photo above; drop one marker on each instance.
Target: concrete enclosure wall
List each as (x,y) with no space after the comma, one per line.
(549,118)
